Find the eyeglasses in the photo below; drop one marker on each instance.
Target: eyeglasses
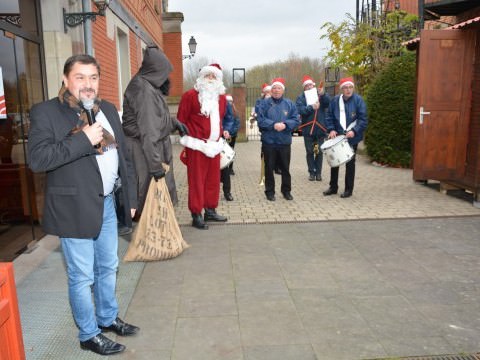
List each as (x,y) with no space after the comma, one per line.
(348,87)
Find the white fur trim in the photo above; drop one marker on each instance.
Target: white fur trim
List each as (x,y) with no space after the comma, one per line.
(306,82)
(347,83)
(209,148)
(278,83)
(211,69)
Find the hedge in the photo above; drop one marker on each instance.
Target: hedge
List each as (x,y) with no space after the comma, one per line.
(390,103)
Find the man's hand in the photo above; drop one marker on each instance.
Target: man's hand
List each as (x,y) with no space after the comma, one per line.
(316,106)
(332,134)
(226,134)
(157,175)
(94,133)
(279,126)
(132,212)
(350,134)
(182,128)
(321,89)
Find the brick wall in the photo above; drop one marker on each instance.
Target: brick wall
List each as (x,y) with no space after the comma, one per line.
(172,46)
(105,52)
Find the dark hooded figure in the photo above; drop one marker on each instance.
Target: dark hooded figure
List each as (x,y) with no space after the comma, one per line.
(147,123)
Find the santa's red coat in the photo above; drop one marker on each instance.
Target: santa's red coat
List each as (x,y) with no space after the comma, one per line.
(203,172)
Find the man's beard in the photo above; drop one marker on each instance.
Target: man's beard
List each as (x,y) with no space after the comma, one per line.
(208,92)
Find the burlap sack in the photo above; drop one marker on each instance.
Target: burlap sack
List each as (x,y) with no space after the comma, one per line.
(157,235)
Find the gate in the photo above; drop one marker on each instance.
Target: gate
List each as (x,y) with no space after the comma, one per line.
(251,124)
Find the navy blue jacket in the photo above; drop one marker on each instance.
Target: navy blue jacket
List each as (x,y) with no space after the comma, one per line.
(355,110)
(307,113)
(230,122)
(272,111)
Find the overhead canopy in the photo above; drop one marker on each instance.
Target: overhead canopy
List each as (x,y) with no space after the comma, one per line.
(449,7)
(413,43)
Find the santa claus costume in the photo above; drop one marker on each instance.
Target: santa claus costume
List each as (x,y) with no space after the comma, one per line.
(202,110)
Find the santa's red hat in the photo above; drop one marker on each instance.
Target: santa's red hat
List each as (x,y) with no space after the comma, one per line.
(307,80)
(346,81)
(214,69)
(229,97)
(266,87)
(279,81)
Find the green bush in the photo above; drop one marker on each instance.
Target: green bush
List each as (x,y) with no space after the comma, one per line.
(390,102)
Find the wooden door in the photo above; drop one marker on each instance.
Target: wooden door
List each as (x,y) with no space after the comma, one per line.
(445,65)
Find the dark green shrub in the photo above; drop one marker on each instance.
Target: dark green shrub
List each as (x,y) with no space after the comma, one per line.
(390,102)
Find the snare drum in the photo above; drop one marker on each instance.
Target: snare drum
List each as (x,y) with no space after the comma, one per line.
(338,151)
(226,155)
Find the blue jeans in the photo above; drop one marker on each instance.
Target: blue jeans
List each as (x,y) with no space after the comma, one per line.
(93,262)
(314,162)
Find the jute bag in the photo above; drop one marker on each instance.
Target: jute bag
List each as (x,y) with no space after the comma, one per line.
(157,235)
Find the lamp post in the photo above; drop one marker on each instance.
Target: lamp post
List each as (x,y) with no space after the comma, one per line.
(75,19)
(192,47)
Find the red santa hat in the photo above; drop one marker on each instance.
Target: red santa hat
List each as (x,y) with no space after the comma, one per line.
(279,81)
(346,81)
(214,69)
(307,80)
(266,87)
(229,97)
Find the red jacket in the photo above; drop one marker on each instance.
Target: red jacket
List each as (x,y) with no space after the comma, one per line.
(189,113)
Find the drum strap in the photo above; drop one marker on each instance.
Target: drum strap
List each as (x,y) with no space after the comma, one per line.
(313,123)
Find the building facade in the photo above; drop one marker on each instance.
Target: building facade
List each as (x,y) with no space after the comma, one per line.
(36,37)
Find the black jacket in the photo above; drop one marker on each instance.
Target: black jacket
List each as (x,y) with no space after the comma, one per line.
(74,189)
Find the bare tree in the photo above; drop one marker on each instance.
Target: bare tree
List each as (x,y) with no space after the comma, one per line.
(192,66)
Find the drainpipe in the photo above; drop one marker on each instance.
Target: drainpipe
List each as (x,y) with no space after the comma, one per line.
(421,6)
(87,28)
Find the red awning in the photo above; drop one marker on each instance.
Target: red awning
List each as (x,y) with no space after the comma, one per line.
(412,44)
(464,24)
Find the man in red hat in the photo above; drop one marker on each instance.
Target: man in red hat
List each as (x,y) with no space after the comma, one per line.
(312,112)
(202,110)
(347,114)
(277,118)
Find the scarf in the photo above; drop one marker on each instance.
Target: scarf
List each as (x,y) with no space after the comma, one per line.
(343,116)
(65,96)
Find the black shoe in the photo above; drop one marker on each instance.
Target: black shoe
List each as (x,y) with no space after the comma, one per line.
(311,177)
(346,194)
(228,196)
(198,222)
(124,230)
(287,196)
(318,177)
(330,191)
(270,197)
(211,215)
(121,328)
(232,172)
(102,345)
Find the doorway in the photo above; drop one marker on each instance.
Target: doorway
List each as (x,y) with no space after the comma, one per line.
(21,191)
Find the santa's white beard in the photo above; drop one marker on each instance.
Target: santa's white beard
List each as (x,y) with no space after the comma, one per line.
(208,92)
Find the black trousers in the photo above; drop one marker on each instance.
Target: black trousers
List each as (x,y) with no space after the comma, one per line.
(225,172)
(349,174)
(277,156)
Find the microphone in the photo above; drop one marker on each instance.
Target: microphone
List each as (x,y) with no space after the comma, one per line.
(87,105)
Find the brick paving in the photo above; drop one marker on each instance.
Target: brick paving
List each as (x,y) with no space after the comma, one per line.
(380,193)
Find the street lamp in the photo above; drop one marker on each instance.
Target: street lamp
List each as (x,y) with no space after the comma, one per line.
(192,46)
(75,19)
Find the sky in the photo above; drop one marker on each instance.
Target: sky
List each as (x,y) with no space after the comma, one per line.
(245,33)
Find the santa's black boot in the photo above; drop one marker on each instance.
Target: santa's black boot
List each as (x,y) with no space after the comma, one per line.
(211,215)
(198,222)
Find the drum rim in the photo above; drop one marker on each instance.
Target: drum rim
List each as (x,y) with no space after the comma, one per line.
(337,140)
